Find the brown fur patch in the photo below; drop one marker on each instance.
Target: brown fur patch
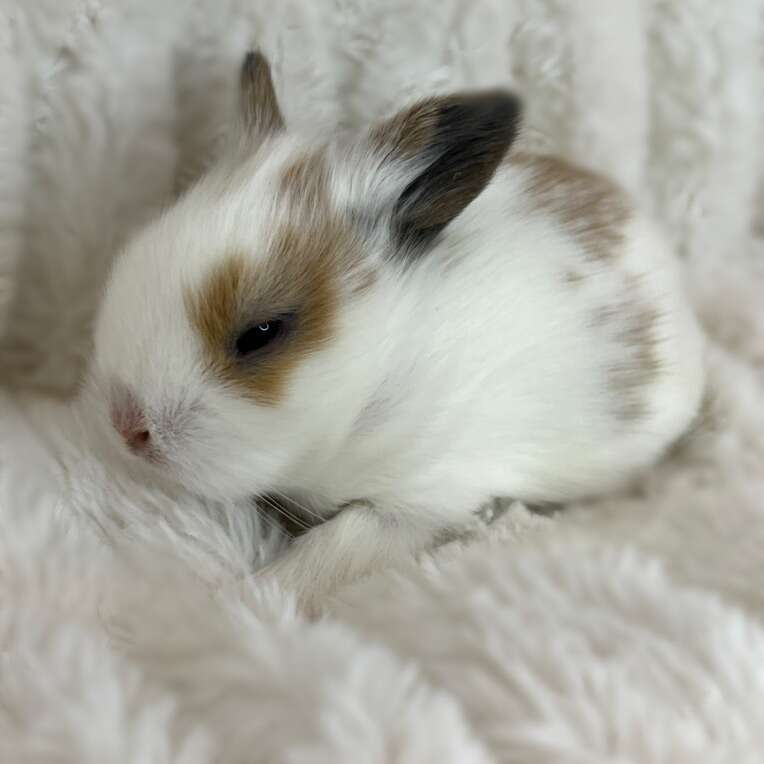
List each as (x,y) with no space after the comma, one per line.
(409,132)
(260,110)
(594,210)
(586,204)
(363,279)
(307,259)
(635,330)
(299,278)
(573,277)
(633,377)
(310,258)
(304,183)
(604,316)
(304,187)
(460,140)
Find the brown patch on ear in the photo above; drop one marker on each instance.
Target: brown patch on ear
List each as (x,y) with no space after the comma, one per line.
(409,132)
(260,110)
(590,207)
(450,147)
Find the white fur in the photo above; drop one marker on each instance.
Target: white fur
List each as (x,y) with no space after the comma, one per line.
(471,372)
(534,645)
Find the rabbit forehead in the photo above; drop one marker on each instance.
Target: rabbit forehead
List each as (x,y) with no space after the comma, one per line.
(307,254)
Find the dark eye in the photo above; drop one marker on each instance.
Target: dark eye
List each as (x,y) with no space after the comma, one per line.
(257,337)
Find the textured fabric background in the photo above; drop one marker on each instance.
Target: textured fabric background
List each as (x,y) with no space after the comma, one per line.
(131,630)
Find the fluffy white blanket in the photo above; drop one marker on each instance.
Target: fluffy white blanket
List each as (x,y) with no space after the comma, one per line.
(132,628)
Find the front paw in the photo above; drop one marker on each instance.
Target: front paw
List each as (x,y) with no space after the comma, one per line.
(286,575)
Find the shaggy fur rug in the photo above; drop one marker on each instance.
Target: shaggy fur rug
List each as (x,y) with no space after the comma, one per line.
(132,628)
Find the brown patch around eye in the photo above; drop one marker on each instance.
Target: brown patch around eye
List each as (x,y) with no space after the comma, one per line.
(312,258)
(587,205)
(309,258)
(296,279)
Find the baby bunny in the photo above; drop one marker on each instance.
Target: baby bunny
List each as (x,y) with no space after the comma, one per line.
(392,327)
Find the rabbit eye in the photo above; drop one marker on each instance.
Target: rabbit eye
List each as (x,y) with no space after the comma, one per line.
(258,336)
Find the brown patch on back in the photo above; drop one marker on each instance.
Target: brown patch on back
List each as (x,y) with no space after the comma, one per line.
(634,328)
(587,205)
(631,378)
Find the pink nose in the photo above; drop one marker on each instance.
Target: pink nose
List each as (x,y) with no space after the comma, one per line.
(130,422)
(137,439)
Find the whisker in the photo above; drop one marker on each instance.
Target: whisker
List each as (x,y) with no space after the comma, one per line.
(290,515)
(307,510)
(276,526)
(298,521)
(269,520)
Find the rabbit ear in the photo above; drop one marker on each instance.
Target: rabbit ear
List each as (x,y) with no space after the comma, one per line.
(259,108)
(446,150)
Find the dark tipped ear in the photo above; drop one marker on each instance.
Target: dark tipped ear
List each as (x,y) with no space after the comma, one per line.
(454,143)
(260,113)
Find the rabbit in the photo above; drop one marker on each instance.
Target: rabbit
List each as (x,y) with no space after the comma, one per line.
(391,326)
